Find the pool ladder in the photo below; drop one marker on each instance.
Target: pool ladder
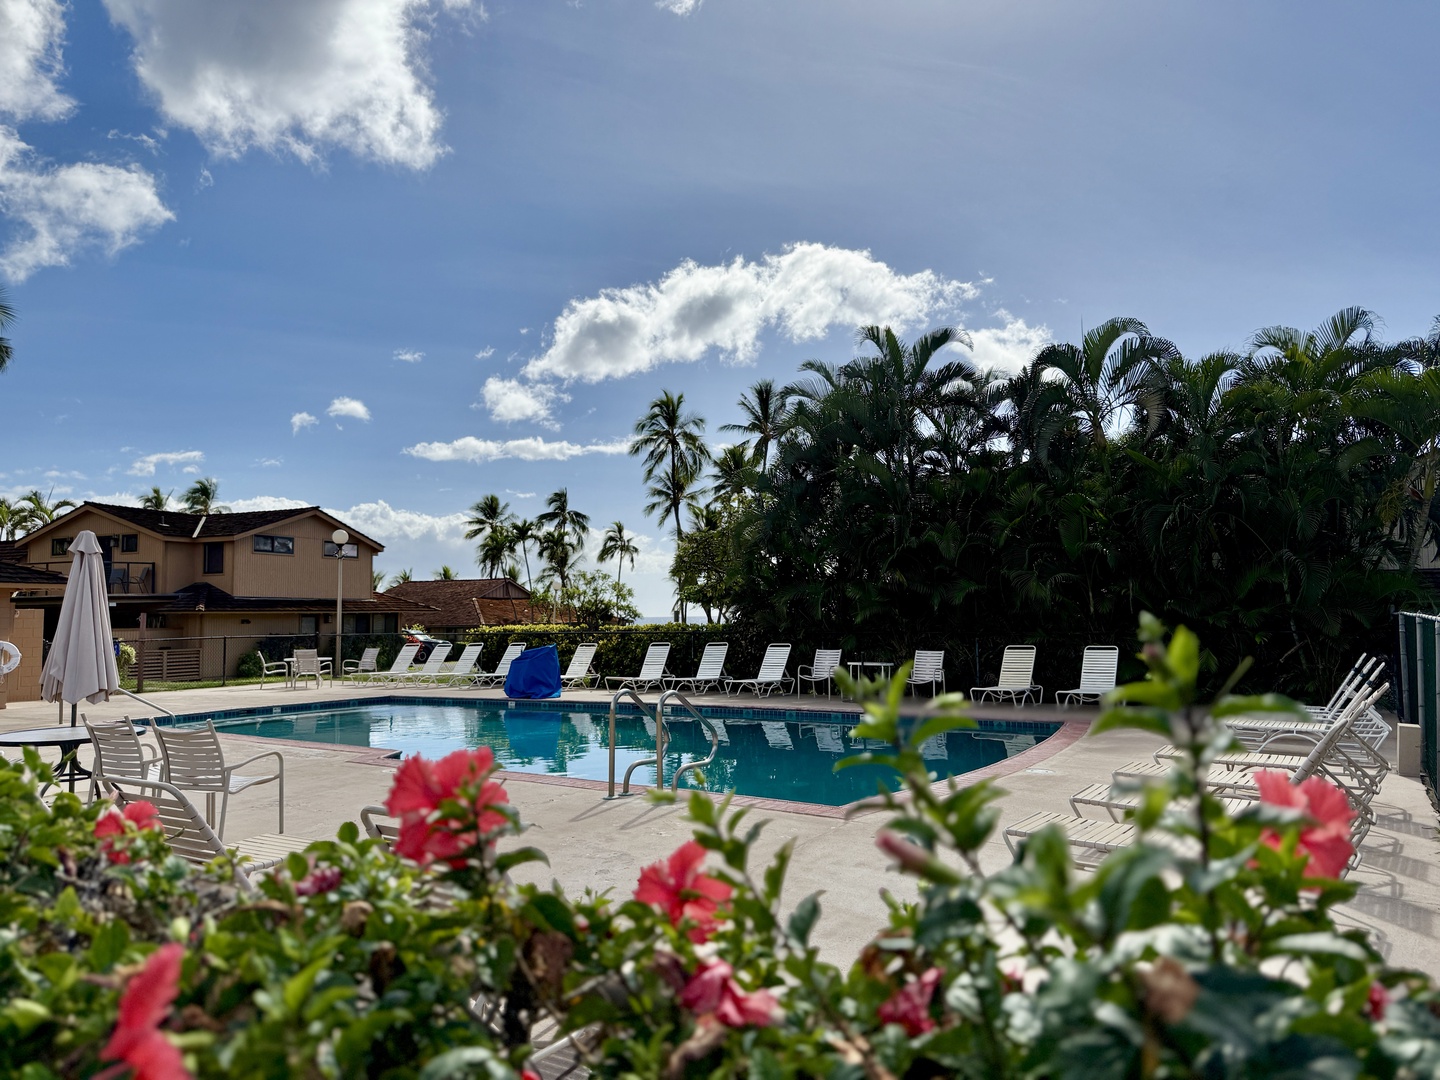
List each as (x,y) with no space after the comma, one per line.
(662,736)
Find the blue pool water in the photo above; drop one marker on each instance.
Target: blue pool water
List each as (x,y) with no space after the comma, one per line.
(764,752)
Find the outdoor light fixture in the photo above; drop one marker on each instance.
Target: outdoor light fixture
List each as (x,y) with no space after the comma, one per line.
(340,538)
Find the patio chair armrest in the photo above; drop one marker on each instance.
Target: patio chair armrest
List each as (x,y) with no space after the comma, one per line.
(268,753)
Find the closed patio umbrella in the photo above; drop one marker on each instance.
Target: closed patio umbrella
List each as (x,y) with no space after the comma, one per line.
(81,664)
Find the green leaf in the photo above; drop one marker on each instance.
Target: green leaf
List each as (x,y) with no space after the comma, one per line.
(1183,657)
(467,1061)
(298,987)
(1255,703)
(803,918)
(554,913)
(520,856)
(1154,720)
(1319,943)
(108,944)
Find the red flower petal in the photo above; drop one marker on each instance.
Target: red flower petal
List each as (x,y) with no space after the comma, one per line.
(144,1004)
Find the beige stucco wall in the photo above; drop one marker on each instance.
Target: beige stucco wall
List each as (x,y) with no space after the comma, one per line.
(25,630)
(307,573)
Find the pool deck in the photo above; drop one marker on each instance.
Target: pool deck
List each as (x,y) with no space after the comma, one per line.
(602,845)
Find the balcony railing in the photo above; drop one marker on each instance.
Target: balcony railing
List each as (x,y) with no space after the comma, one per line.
(125,577)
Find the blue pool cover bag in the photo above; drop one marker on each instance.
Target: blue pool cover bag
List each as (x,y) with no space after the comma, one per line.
(535,673)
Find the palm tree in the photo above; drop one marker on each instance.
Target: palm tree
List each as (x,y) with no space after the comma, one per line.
(1409,405)
(734,475)
(445,573)
(487,514)
(673,446)
(39,510)
(7,316)
(525,532)
(619,545)
(200,497)
(402,577)
(561,555)
(156,500)
(496,550)
(377,580)
(560,516)
(14,519)
(765,415)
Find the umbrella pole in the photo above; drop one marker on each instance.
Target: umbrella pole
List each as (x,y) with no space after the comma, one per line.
(73,706)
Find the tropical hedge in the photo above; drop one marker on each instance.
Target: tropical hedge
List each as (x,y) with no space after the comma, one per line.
(1209,949)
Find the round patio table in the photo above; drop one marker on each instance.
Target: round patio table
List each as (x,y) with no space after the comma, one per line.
(68,739)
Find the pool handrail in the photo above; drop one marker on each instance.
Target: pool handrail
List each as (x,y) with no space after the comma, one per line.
(630,692)
(677,696)
(145,701)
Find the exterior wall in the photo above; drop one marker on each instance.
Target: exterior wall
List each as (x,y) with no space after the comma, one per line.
(25,630)
(149,549)
(307,573)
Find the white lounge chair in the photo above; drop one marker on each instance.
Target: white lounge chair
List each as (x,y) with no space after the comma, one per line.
(368,662)
(828,737)
(1098,668)
(709,675)
(502,669)
(434,667)
(652,671)
(777,734)
(398,669)
(827,662)
(579,673)
(309,664)
(1017,678)
(191,837)
(195,761)
(278,668)
(464,670)
(772,675)
(929,670)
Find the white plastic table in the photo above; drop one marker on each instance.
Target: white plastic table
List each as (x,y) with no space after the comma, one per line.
(857,668)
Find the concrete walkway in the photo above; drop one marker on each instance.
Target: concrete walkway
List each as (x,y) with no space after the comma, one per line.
(602,845)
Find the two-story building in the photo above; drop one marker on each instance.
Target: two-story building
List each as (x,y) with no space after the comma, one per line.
(210,586)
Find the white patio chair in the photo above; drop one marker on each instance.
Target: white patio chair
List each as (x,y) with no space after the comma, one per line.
(579,673)
(190,835)
(1098,668)
(708,675)
(772,675)
(397,670)
(827,662)
(280,668)
(194,761)
(502,669)
(1017,678)
(433,668)
(464,670)
(353,669)
(652,671)
(929,670)
(309,664)
(119,752)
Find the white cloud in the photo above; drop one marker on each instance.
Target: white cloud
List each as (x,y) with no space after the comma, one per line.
(191,470)
(67,209)
(145,466)
(32,33)
(265,502)
(679,7)
(485,353)
(509,399)
(384,522)
(348,406)
(410,356)
(301,420)
(1006,349)
(270,462)
(296,77)
(520,494)
(534,448)
(803,292)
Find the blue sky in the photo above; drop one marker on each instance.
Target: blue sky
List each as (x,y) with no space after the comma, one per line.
(388,256)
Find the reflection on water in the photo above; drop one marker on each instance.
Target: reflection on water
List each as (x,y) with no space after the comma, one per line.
(777,759)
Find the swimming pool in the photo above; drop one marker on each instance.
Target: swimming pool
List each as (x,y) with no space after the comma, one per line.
(770,753)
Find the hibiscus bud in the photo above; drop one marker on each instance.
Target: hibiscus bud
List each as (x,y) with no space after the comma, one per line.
(1170,992)
(914,859)
(1376,1001)
(354,916)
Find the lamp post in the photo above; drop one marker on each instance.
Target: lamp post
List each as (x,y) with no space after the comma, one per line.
(340,538)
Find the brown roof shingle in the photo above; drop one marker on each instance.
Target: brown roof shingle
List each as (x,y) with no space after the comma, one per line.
(180,524)
(469,602)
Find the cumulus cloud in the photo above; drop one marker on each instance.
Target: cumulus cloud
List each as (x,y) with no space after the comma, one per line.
(64,210)
(678,7)
(384,522)
(485,353)
(32,33)
(293,77)
(509,400)
(301,420)
(410,356)
(265,502)
(145,466)
(1008,348)
(348,406)
(534,448)
(803,293)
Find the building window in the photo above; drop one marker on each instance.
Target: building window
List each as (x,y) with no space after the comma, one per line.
(214,559)
(309,624)
(60,546)
(275,545)
(130,542)
(358,624)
